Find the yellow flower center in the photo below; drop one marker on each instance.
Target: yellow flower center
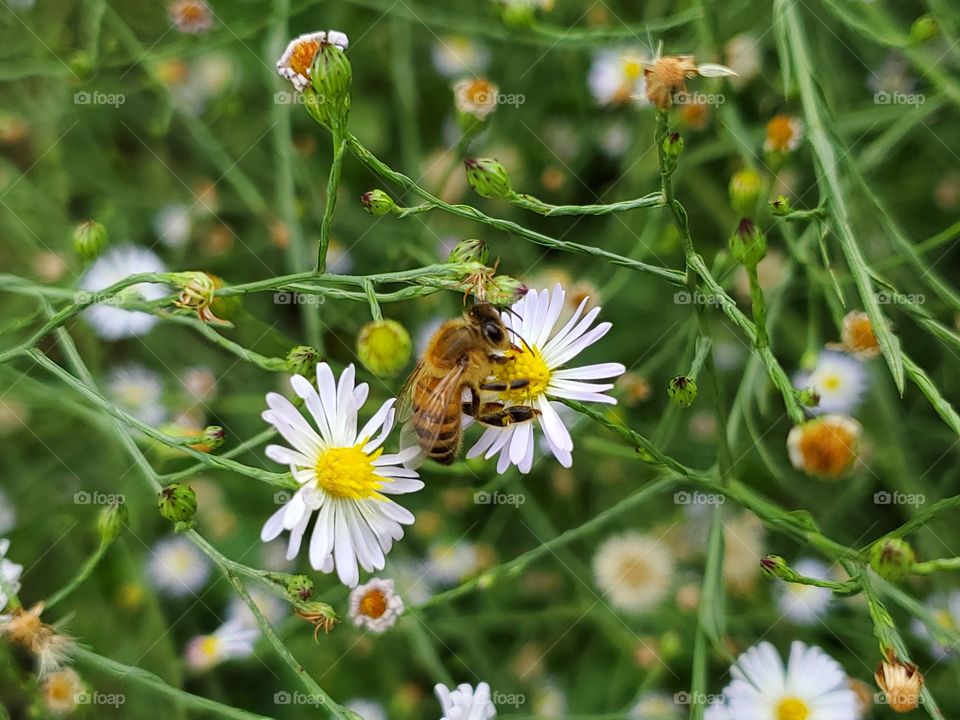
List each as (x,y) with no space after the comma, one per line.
(632,68)
(792,709)
(780,132)
(209,646)
(830,382)
(525,364)
(944,619)
(480,92)
(347,473)
(302,56)
(373,604)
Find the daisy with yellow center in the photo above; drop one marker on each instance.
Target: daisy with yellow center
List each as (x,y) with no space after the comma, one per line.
(633,572)
(825,447)
(60,691)
(839,381)
(476,97)
(616,77)
(541,354)
(375,605)
(784,133)
(344,476)
(805,604)
(812,686)
(944,610)
(297,59)
(231,640)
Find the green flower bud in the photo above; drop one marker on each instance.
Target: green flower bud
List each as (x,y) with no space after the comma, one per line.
(745,189)
(178,504)
(892,559)
(488,178)
(111,520)
(924,28)
(378,203)
(302,360)
(748,244)
(503,290)
(774,566)
(682,390)
(211,439)
(384,347)
(89,239)
(299,587)
(809,397)
(781,206)
(472,250)
(332,74)
(670,645)
(516,14)
(673,146)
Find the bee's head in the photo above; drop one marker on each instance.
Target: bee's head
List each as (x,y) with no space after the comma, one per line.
(487,320)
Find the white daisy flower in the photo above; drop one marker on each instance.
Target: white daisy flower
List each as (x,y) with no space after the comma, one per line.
(655,706)
(945,610)
(449,564)
(172,224)
(465,703)
(9,575)
(8,514)
(476,97)
(803,604)
(812,686)
(230,640)
(839,380)
(137,390)
(541,354)
(343,474)
(456,55)
(297,59)
(176,567)
(367,709)
(375,605)
(61,691)
(270,606)
(784,134)
(191,16)
(634,571)
(117,263)
(718,711)
(616,77)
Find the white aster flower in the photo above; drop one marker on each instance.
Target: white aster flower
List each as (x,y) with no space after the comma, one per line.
(9,575)
(367,709)
(616,77)
(177,568)
(191,16)
(476,97)
(230,640)
(113,323)
(538,359)
(945,611)
(456,55)
(411,580)
(449,564)
(61,691)
(465,703)
(137,390)
(804,604)
(743,56)
(343,474)
(375,605)
(634,571)
(270,606)
(8,514)
(297,59)
(839,380)
(172,224)
(655,706)
(812,686)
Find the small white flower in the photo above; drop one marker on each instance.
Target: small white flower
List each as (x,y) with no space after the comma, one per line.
(8,514)
(200,383)
(945,610)
(191,16)
(538,359)
(549,701)
(784,134)
(615,139)
(375,605)
(367,709)
(476,97)
(116,264)
(137,390)
(448,564)
(172,224)
(177,568)
(812,686)
(9,575)
(411,580)
(744,58)
(616,77)
(270,606)
(839,380)
(339,259)
(61,691)
(633,571)
(743,547)
(465,703)
(655,706)
(455,56)
(297,59)
(230,640)
(343,474)
(804,604)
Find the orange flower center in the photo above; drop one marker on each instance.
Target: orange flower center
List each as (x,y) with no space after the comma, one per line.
(302,56)
(780,132)
(480,92)
(373,604)
(860,335)
(827,448)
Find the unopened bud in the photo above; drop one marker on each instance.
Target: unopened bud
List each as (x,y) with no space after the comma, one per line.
(89,239)
(197,293)
(808,397)
(673,146)
(488,178)
(111,520)
(745,189)
(210,439)
(781,206)
(774,566)
(748,244)
(924,28)
(892,559)
(682,390)
(302,360)
(332,76)
(503,290)
(472,250)
(300,588)
(178,504)
(378,203)
(384,347)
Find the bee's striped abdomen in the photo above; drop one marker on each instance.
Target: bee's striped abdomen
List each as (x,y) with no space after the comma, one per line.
(437,427)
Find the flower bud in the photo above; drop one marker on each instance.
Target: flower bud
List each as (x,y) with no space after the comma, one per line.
(502,290)
(299,587)
(682,390)
(774,566)
(748,244)
(197,293)
(673,146)
(781,206)
(924,28)
(302,360)
(745,189)
(516,14)
(319,614)
(178,504)
(892,559)
(901,683)
(472,250)
(384,347)
(332,75)
(111,520)
(89,239)
(378,203)
(210,439)
(488,178)
(808,397)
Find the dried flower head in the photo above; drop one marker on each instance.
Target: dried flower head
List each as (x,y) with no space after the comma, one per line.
(901,683)
(784,133)
(297,59)
(857,336)
(191,16)
(318,614)
(49,647)
(61,690)
(667,75)
(826,446)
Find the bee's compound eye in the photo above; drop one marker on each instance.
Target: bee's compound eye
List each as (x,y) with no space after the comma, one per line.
(492,332)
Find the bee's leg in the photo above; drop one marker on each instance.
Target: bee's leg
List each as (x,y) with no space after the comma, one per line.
(499,416)
(472,408)
(504,386)
(497,359)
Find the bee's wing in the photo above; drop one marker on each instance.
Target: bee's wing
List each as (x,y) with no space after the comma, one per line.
(405,396)
(436,405)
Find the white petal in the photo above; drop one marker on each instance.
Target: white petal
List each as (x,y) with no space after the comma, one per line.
(379,418)
(560,356)
(286,456)
(600,371)
(714,70)
(302,387)
(553,428)
(345,557)
(272,527)
(296,536)
(321,542)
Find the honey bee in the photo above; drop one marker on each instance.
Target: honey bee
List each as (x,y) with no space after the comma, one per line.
(460,358)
